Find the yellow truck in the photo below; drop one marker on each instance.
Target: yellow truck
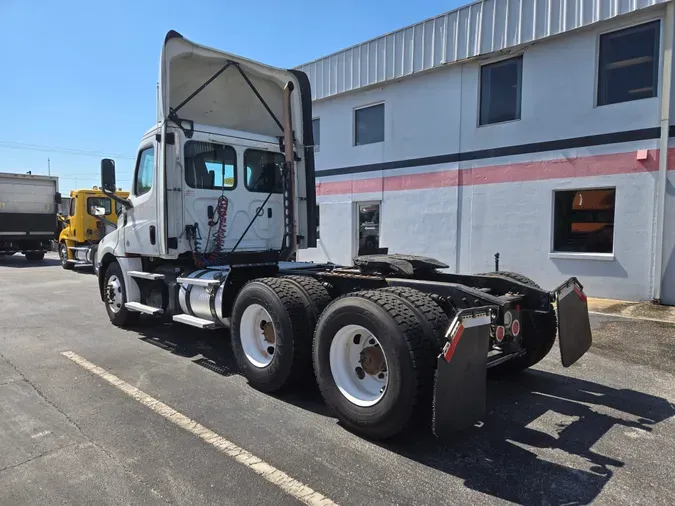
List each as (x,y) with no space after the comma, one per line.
(91,216)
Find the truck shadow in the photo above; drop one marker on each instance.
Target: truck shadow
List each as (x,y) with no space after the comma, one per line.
(19,262)
(207,348)
(536,444)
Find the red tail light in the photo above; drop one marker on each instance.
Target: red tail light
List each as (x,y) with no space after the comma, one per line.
(515,327)
(499,333)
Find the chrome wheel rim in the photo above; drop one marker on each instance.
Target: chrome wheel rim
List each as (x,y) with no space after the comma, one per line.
(114,295)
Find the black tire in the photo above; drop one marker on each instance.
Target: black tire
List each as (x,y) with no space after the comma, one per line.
(432,317)
(314,293)
(293,333)
(409,361)
(35,256)
(63,257)
(123,317)
(538,333)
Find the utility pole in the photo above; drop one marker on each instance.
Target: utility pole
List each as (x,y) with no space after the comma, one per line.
(49,167)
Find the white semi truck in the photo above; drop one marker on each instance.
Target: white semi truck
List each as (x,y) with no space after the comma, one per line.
(28,208)
(224,195)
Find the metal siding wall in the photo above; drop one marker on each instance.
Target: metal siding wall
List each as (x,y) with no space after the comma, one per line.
(473,30)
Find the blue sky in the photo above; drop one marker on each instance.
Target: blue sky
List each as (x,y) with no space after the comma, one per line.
(81,75)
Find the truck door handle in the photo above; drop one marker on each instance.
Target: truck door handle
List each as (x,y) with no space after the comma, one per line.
(269,212)
(152,234)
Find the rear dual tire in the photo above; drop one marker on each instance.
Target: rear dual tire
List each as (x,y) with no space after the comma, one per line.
(271,325)
(384,328)
(282,326)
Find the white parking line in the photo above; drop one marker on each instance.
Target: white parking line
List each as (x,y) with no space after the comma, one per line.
(643,318)
(288,484)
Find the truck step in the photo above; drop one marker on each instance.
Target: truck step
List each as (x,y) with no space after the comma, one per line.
(196,322)
(78,248)
(199,282)
(146,275)
(142,308)
(78,262)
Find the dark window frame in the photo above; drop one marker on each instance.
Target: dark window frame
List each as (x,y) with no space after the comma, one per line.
(565,240)
(72,206)
(137,170)
(487,67)
(367,203)
(109,206)
(215,188)
(318,216)
(601,96)
(356,123)
(276,154)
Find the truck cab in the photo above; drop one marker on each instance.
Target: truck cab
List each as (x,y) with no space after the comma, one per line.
(208,177)
(91,215)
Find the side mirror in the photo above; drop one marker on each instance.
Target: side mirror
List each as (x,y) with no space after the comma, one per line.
(57,198)
(99,211)
(108,183)
(108,175)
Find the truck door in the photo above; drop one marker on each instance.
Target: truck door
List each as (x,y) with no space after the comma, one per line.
(263,172)
(140,232)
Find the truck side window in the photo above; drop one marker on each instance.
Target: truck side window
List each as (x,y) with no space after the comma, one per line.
(263,171)
(71,208)
(94,202)
(210,166)
(145,170)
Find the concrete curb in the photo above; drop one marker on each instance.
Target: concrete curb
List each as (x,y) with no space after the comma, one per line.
(635,310)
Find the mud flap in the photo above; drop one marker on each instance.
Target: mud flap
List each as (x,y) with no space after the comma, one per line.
(574,326)
(459,387)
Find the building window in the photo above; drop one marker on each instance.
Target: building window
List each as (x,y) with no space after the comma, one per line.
(369,228)
(500,91)
(264,171)
(369,125)
(584,221)
(629,64)
(145,171)
(316,129)
(210,166)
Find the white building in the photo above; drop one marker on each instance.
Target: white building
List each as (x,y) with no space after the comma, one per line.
(531,128)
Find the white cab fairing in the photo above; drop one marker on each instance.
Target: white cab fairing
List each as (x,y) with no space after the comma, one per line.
(231,125)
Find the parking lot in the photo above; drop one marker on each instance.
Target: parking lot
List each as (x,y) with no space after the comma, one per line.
(158,415)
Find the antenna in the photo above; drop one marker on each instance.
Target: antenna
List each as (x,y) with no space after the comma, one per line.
(49,167)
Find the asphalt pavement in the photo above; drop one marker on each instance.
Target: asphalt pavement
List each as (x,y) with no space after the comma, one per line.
(601,431)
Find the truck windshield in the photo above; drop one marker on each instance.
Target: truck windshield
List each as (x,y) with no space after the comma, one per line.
(210,166)
(94,202)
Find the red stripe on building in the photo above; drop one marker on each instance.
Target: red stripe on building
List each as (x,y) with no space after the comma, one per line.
(566,168)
